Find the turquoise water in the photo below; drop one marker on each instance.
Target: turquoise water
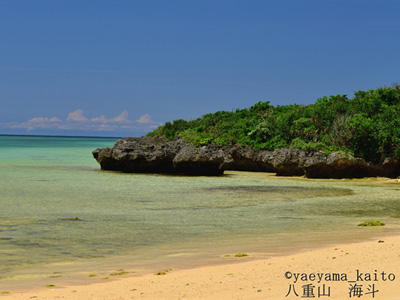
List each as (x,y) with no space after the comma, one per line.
(46,181)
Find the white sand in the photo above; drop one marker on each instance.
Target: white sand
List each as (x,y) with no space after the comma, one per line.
(258,279)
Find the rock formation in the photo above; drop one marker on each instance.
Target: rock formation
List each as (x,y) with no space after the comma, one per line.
(158,155)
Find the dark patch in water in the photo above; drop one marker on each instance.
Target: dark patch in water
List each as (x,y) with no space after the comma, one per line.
(282,189)
(205,206)
(291,218)
(40,180)
(76,219)
(27,244)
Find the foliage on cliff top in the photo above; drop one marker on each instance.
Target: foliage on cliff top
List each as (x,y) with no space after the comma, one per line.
(367,125)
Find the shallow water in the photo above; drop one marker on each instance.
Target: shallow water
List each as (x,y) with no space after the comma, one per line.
(46,181)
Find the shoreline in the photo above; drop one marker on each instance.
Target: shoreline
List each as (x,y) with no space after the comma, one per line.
(252,278)
(75,273)
(212,264)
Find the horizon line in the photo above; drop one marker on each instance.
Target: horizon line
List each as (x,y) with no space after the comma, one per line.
(57,135)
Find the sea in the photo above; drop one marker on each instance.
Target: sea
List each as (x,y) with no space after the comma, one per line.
(63,220)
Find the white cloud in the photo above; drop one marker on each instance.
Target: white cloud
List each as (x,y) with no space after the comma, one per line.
(145,119)
(44,120)
(101,119)
(38,122)
(54,119)
(77,115)
(76,120)
(121,118)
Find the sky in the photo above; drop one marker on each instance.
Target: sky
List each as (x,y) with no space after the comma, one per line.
(122,68)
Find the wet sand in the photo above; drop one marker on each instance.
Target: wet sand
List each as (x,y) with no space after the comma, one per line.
(328,270)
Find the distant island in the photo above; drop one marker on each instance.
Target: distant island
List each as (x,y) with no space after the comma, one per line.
(336,137)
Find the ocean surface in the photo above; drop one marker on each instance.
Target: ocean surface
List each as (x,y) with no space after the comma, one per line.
(140,221)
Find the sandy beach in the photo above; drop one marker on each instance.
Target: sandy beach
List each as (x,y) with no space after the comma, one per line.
(366,270)
(199,150)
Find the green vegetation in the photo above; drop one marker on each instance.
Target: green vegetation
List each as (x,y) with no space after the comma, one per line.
(163,272)
(371,223)
(241,255)
(92,275)
(119,273)
(366,126)
(4,292)
(50,285)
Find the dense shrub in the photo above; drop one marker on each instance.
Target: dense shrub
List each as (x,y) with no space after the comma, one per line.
(367,125)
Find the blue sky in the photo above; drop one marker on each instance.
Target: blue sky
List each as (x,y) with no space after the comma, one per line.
(119,68)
